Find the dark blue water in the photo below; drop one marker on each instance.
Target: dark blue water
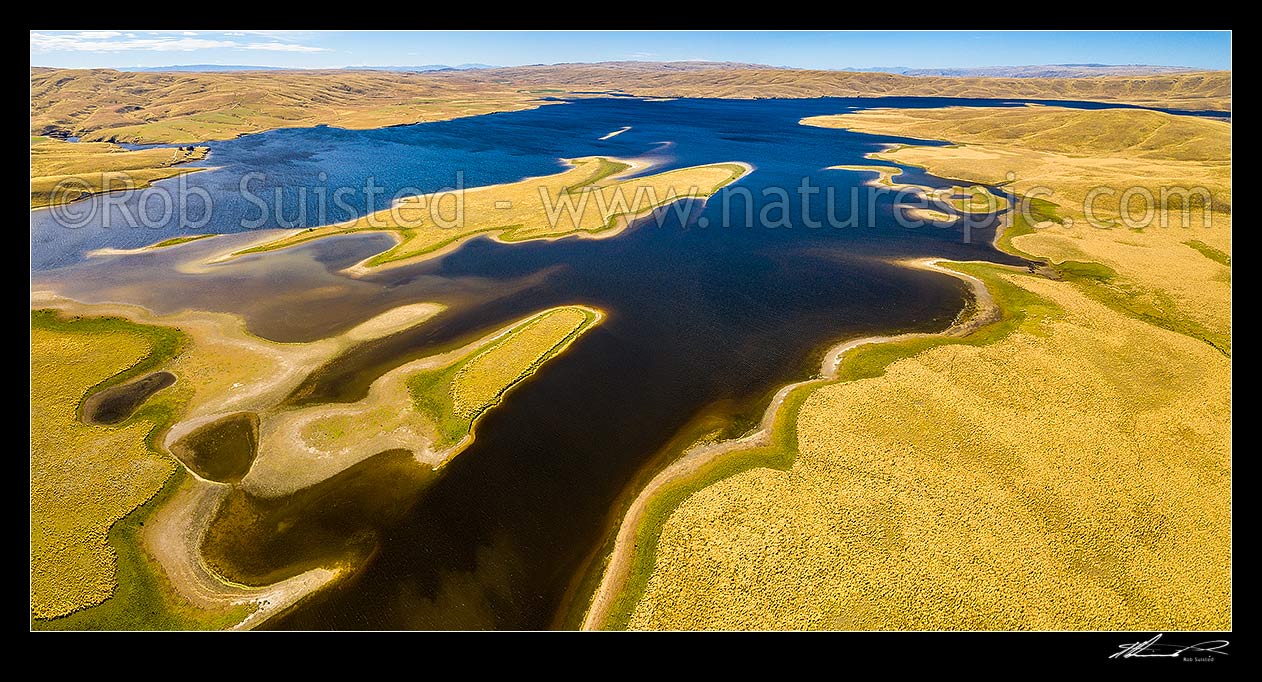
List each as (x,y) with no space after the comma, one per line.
(702,320)
(296,172)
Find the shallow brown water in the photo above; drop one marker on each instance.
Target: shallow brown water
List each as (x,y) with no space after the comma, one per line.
(222,450)
(700,322)
(116,403)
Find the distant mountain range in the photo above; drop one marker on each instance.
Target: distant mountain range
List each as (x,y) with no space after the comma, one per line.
(215,68)
(423,67)
(1039,71)
(1033,71)
(200,68)
(688,65)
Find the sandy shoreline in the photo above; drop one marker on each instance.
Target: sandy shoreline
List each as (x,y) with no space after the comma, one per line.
(615,133)
(174,538)
(267,371)
(621,223)
(262,373)
(156,246)
(288,461)
(697,457)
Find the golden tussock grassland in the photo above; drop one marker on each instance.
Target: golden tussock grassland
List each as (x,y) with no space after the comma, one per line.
(1153,269)
(94,487)
(591,197)
(482,379)
(428,406)
(103,104)
(88,168)
(85,477)
(1073,475)
(454,395)
(1197,90)
(1068,467)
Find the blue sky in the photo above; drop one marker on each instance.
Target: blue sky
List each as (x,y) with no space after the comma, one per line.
(824,50)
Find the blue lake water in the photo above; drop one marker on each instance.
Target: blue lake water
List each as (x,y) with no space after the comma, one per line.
(702,321)
(306,166)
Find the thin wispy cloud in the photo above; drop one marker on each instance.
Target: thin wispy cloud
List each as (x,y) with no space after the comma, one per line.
(175,41)
(283,47)
(279,35)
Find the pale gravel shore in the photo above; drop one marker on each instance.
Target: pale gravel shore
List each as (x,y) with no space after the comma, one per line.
(233,250)
(697,457)
(928,214)
(287,461)
(174,538)
(393,320)
(150,248)
(615,133)
(362,269)
(174,535)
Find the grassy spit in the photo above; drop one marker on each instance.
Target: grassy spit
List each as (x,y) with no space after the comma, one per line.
(455,396)
(176,241)
(93,487)
(588,199)
(1067,466)
(428,406)
(88,168)
(87,477)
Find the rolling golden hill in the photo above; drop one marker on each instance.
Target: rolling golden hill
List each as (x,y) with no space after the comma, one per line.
(64,171)
(102,104)
(1097,156)
(1195,90)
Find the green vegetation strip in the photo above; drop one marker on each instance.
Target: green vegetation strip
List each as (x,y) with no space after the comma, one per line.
(607,168)
(432,391)
(1015,304)
(1210,252)
(175,241)
(863,362)
(142,599)
(165,342)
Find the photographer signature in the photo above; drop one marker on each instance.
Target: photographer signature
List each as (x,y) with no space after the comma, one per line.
(1153,648)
